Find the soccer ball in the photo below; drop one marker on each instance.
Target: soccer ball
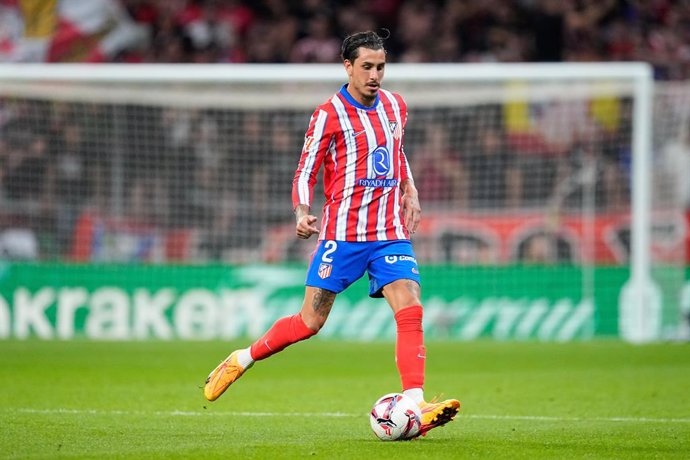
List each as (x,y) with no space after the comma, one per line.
(395,417)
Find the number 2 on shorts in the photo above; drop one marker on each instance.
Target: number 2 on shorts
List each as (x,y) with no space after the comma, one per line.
(330,246)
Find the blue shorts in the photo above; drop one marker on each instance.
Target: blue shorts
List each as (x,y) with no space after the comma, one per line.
(335,265)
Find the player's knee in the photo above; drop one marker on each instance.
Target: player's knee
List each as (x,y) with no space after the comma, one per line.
(314,322)
(409,299)
(402,293)
(316,307)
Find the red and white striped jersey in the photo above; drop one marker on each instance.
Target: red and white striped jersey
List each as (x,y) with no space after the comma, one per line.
(361,150)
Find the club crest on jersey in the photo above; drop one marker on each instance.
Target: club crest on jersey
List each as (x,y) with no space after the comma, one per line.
(325,271)
(395,129)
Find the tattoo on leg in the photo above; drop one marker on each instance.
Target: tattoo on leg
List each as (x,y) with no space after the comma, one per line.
(413,287)
(322,302)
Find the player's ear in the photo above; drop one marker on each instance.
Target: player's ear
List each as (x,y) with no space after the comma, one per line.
(348,67)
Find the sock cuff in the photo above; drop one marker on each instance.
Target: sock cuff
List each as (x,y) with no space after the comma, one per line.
(284,332)
(412,312)
(299,328)
(409,319)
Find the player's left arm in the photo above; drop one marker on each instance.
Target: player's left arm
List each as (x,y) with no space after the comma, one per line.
(411,209)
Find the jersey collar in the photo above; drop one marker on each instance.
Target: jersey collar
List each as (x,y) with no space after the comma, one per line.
(348,97)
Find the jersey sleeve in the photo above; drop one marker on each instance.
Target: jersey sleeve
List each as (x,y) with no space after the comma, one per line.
(316,143)
(405,171)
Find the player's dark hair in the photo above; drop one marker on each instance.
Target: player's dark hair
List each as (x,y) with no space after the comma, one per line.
(369,40)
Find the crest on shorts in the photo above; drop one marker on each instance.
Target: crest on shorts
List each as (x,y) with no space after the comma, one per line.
(325,270)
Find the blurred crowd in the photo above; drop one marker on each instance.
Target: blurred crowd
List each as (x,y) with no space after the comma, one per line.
(228,172)
(278,31)
(657,31)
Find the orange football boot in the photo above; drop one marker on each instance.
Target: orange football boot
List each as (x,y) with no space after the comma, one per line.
(223,376)
(435,414)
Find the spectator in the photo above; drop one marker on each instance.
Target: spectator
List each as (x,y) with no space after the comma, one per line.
(548,22)
(273,178)
(440,176)
(180,162)
(674,157)
(68,179)
(352,18)
(440,31)
(319,45)
(545,248)
(416,20)
(273,34)
(24,170)
(495,180)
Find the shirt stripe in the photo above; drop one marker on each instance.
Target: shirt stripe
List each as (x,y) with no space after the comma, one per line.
(362,202)
(307,170)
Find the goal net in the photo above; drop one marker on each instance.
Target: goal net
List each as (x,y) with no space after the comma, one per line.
(526,177)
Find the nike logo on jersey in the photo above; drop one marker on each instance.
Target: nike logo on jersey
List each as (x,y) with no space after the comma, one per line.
(354,134)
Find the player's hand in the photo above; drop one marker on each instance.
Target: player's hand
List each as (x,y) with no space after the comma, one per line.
(412,211)
(305,226)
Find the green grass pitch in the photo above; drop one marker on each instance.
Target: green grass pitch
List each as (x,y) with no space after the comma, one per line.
(600,399)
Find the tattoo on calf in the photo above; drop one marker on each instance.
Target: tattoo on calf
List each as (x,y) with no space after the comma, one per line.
(322,302)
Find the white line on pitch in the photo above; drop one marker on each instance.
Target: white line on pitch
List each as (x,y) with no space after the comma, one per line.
(178,413)
(580,419)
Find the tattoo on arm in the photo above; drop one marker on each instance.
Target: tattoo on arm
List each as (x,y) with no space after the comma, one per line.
(322,302)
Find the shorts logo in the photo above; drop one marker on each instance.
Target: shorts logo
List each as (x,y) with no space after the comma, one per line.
(415,271)
(394,259)
(325,270)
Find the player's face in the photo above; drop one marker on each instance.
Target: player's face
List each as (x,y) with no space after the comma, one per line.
(366,73)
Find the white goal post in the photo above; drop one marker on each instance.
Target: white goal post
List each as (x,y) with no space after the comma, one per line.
(465,89)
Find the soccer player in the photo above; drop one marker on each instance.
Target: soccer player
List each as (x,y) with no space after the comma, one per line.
(370,210)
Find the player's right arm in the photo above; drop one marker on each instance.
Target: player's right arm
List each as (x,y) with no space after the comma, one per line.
(316,142)
(304,222)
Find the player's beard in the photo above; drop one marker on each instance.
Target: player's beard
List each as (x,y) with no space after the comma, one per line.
(370,92)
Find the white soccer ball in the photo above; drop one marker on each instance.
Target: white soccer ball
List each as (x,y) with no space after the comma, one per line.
(395,417)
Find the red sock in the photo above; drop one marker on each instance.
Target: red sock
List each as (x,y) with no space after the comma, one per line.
(284,332)
(410,353)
